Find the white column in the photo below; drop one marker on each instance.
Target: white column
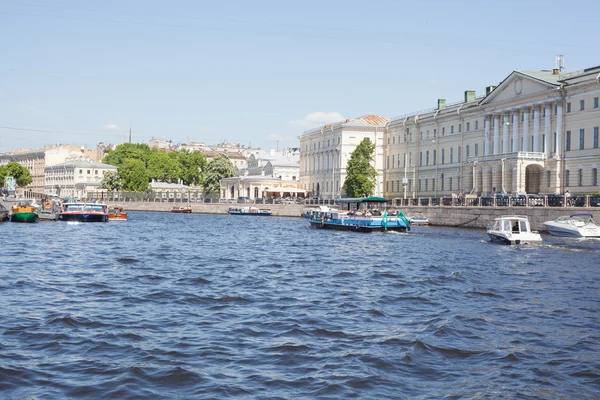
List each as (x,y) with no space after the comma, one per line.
(526,129)
(486,128)
(559,119)
(496,133)
(547,126)
(505,140)
(536,128)
(515,131)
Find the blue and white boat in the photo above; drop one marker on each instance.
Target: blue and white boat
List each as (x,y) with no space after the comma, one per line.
(363,215)
(249,211)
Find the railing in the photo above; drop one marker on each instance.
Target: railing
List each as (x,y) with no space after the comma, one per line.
(501,201)
(519,155)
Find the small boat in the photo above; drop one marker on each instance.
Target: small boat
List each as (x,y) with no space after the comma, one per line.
(576,225)
(513,229)
(249,211)
(419,220)
(84,212)
(367,217)
(182,210)
(49,211)
(116,213)
(23,212)
(307,212)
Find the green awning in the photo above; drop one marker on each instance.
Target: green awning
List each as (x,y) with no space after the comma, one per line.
(375,199)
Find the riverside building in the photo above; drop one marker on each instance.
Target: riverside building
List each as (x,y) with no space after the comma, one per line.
(536,132)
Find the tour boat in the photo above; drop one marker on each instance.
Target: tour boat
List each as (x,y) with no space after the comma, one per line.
(249,211)
(513,229)
(576,225)
(23,212)
(307,212)
(84,212)
(182,210)
(365,217)
(116,213)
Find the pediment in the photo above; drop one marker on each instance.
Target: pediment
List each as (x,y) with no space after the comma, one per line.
(519,85)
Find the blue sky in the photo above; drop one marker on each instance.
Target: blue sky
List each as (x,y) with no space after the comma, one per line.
(261,72)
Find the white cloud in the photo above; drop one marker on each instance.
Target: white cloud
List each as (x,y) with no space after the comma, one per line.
(112,127)
(318,118)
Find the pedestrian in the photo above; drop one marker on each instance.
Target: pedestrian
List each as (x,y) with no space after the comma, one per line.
(568,198)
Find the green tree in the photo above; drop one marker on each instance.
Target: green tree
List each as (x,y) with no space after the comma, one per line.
(192,166)
(361,175)
(111,181)
(134,175)
(17,171)
(163,166)
(126,151)
(218,168)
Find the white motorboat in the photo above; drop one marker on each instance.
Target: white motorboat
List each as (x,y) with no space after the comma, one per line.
(576,225)
(419,220)
(308,212)
(513,229)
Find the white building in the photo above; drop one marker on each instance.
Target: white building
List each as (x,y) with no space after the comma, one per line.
(325,152)
(75,177)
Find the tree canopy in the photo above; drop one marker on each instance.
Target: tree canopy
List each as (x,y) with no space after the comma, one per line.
(361,175)
(218,168)
(134,175)
(17,171)
(111,181)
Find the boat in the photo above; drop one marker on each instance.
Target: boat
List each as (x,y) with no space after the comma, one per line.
(3,213)
(513,229)
(49,211)
(419,220)
(116,213)
(307,212)
(182,210)
(23,211)
(249,211)
(575,225)
(363,215)
(84,212)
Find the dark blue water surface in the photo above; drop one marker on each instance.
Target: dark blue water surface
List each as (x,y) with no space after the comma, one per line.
(168,306)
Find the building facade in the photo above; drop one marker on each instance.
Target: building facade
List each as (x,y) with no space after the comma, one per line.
(75,177)
(325,151)
(536,132)
(35,162)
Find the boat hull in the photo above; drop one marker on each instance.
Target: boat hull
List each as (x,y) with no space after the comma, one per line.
(572,232)
(515,239)
(43,216)
(357,227)
(24,217)
(83,217)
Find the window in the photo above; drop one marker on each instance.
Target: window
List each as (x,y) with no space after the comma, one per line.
(459,128)
(426,184)
(567,178)
(81,171)
(452,129)
(435,133)
(450,183)
(581,139)
(443,155)
(427,157)
(387,162)
(554,143)
(468,126)
(476,125)
(458,155)
(581,105)
(580,177)
(594,176)
(568,107)
(451,155)
(393,161)
(595,102)
(421,135)
(468,148)
(434,156)
(476,149)
(443,131)
(568,141)
(548,178)
(595,137)
(394,140)
(420,159)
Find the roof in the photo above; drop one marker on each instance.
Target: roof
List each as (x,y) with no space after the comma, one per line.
(544,75)
(370,120)
(82,163)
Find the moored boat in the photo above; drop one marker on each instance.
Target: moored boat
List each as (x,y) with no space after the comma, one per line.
(513,229)
(307,212)
(116,213)
(3,213)
(23,212)
(419,220)
(364,215)
(575,225)
(249,211)
(84,212)
(49,211)
(182,210)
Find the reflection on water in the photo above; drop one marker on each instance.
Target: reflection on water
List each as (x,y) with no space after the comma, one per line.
(188,306)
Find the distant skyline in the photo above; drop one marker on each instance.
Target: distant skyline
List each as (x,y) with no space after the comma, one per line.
(260,73)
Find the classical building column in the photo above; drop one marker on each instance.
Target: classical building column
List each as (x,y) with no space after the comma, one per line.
(486,128)
(496,134)
(526,129)
(515,131)
(559,123)
(536,128)
(505,139)
(547,126)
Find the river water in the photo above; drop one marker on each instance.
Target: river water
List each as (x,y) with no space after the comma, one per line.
(168,306)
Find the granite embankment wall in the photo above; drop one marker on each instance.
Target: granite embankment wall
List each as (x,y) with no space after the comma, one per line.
(281,210)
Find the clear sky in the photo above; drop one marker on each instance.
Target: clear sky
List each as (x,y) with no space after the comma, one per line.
(260,72)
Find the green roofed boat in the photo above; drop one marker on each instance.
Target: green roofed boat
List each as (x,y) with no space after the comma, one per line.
(23,212)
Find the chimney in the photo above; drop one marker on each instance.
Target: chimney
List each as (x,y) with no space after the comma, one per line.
(469,95)
(489,89)
(441,104)
(555,71)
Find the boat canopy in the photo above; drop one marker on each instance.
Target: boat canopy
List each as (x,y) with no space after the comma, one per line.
(363,200)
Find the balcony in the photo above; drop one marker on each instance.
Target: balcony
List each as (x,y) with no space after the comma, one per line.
(517,155)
